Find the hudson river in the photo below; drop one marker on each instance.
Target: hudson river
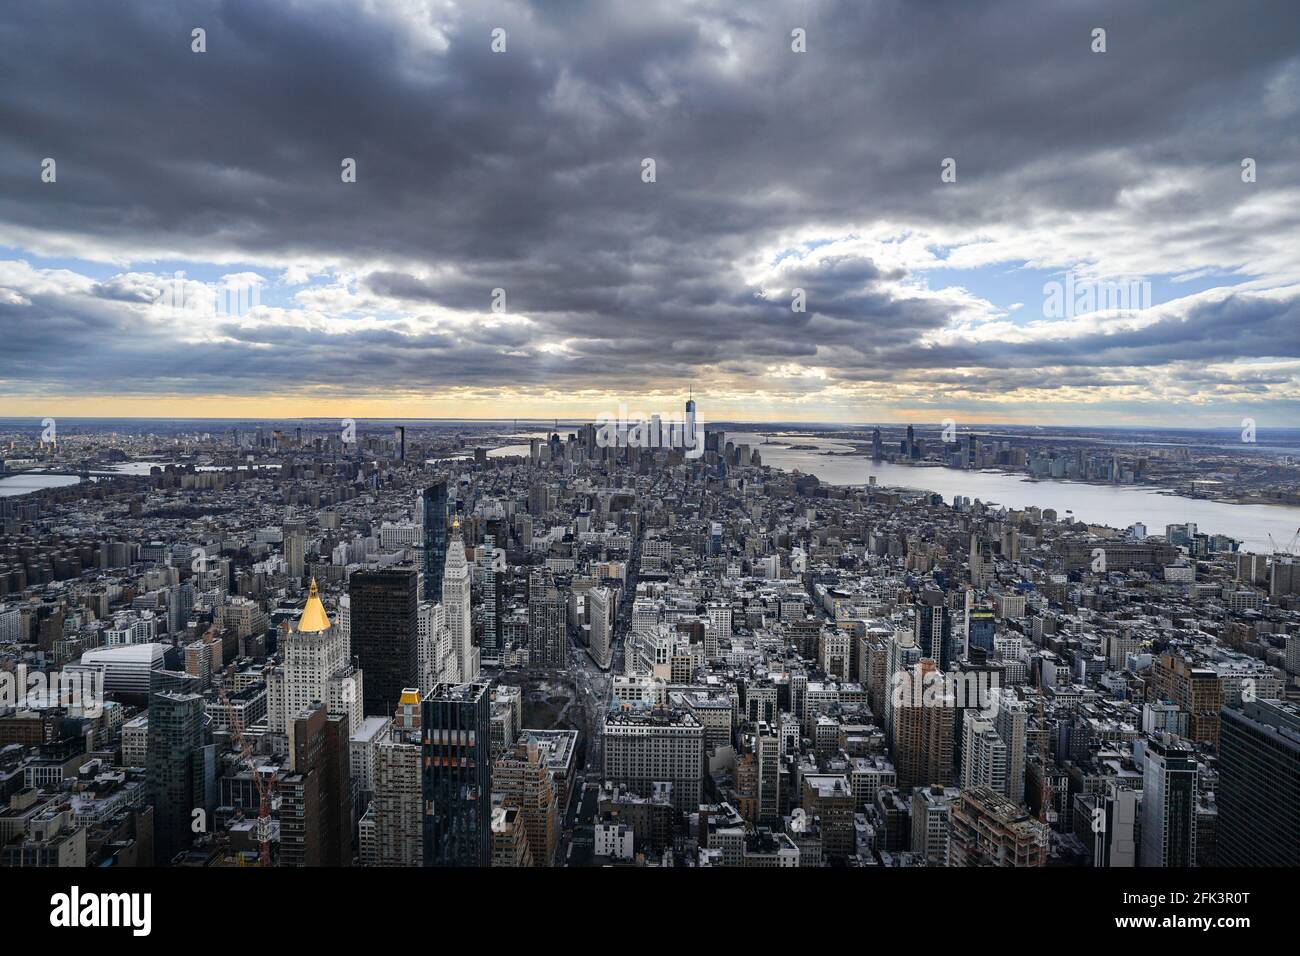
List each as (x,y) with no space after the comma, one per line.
(1116,505)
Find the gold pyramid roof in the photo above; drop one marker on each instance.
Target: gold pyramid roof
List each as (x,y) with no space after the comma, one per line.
(314,618)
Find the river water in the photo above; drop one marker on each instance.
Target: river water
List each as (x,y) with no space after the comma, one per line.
(1115,505)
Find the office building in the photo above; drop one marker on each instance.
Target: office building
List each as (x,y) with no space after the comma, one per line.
(314,668)
(547,631)
(1259,785)
(398,805)
(522,779)
(1169,801)
(456,607)
(433,521)
(386,634)
(600,605)
(176,738)
(641,749)
(457,768)
(983,755)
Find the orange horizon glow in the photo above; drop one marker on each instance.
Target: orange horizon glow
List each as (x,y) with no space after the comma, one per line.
(291,407)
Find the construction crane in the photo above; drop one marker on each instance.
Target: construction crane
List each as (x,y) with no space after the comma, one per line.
(264,787)
(1290,547)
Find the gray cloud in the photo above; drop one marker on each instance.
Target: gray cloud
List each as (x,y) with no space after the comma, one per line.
(521,171)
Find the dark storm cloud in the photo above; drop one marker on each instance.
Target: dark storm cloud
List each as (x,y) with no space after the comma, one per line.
(522,171)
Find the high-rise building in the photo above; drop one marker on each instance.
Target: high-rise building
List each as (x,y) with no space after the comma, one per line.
(990,830)
(829,797)
(600,605)
(456,750)
(767,752)
(1106,823)
(315,796)
(386,634)
(438,663)
(175,740)
(931,822)
(1196,690)
(1169,803)
(983,755)
(399,788)
(981,561)
(719,631)
(547,633)
(493,605)
(521,778)
(932,628)
(509,838)
(643,748)
(1259,785)
(1011,723)
(901,657)
(314,668)
(295,549)
(433,519)
(981,627)
(456,605)
(924,728)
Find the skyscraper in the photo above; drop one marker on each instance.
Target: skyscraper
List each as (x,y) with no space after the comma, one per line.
(493,604)
(315,797)
(457,775)
(601,606)
(547,637)
(175,738)
(983,755)
(924,727)
(456,606)
(933,628)
(521,778)
(295,549)
(1259,785)
(399,789)
(386,634)
(1169,804)
(315,668)
(1011,722)
(433,518)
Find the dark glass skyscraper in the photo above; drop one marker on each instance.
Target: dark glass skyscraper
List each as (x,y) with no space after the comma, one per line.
(980,634)
(457,775)
(386,634)
(175,739)
(433,515)
(933,628)
(493,600)
(1259,785)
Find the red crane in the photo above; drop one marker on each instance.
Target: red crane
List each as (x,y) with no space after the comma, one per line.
(264,786)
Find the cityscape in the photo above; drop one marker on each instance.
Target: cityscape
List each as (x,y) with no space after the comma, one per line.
(458,644)
(855,437)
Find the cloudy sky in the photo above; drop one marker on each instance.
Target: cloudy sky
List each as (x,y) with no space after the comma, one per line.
(178,173)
